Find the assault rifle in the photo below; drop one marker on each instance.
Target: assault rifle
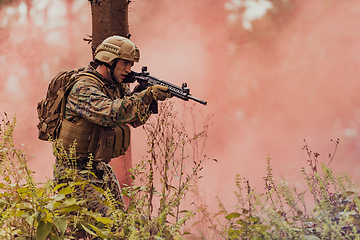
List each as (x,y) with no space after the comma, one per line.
(146,80)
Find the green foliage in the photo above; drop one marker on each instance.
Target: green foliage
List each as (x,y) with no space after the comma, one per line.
(40,211)
(283,212)
(53,210)
(167,173)
(328,209)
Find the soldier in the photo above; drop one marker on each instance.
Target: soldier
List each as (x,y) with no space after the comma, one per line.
(98,110)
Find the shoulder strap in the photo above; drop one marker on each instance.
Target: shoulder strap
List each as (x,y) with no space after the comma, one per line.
(103,85)
(92,77)
(62,91)
(62,96)
(65,92)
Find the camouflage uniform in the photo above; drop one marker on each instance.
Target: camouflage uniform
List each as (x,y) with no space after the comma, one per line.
(118,106)
(105,106)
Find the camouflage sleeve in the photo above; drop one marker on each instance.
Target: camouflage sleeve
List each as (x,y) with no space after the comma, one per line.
(143,112)
(88,101)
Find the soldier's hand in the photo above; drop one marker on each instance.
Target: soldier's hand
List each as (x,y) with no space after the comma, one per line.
(160,93)
(157,92)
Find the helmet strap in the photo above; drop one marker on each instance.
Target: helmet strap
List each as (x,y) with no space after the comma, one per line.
(112,68)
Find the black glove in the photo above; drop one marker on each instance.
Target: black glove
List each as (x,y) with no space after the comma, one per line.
(138,88)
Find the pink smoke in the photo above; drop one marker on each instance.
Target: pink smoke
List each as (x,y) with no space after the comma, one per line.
(293,77)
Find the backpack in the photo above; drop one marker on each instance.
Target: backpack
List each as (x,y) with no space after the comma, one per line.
(51,109)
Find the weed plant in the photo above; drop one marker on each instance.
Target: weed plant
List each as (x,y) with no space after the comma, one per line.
(30,210)
(282,212)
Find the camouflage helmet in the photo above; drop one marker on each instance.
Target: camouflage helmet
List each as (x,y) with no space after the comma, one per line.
(116,47)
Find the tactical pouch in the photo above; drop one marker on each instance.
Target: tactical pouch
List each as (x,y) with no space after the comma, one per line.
(79,132)
(122,140)
(105,144)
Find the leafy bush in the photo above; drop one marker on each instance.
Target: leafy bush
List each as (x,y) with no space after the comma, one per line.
(328,209)
(30,210)
(283,212)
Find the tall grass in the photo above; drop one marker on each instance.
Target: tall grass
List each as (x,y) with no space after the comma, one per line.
(30,210)
(328,209)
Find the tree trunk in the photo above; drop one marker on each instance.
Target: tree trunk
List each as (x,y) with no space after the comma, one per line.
(110,17)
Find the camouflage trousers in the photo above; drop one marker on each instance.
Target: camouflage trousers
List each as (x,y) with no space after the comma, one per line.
(103,177)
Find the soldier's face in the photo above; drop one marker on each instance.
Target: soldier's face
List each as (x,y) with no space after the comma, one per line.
(123,68)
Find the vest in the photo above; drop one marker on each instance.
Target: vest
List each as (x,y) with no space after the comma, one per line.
(103,142)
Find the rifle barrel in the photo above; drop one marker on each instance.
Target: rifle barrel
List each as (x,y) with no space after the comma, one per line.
(197,100)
